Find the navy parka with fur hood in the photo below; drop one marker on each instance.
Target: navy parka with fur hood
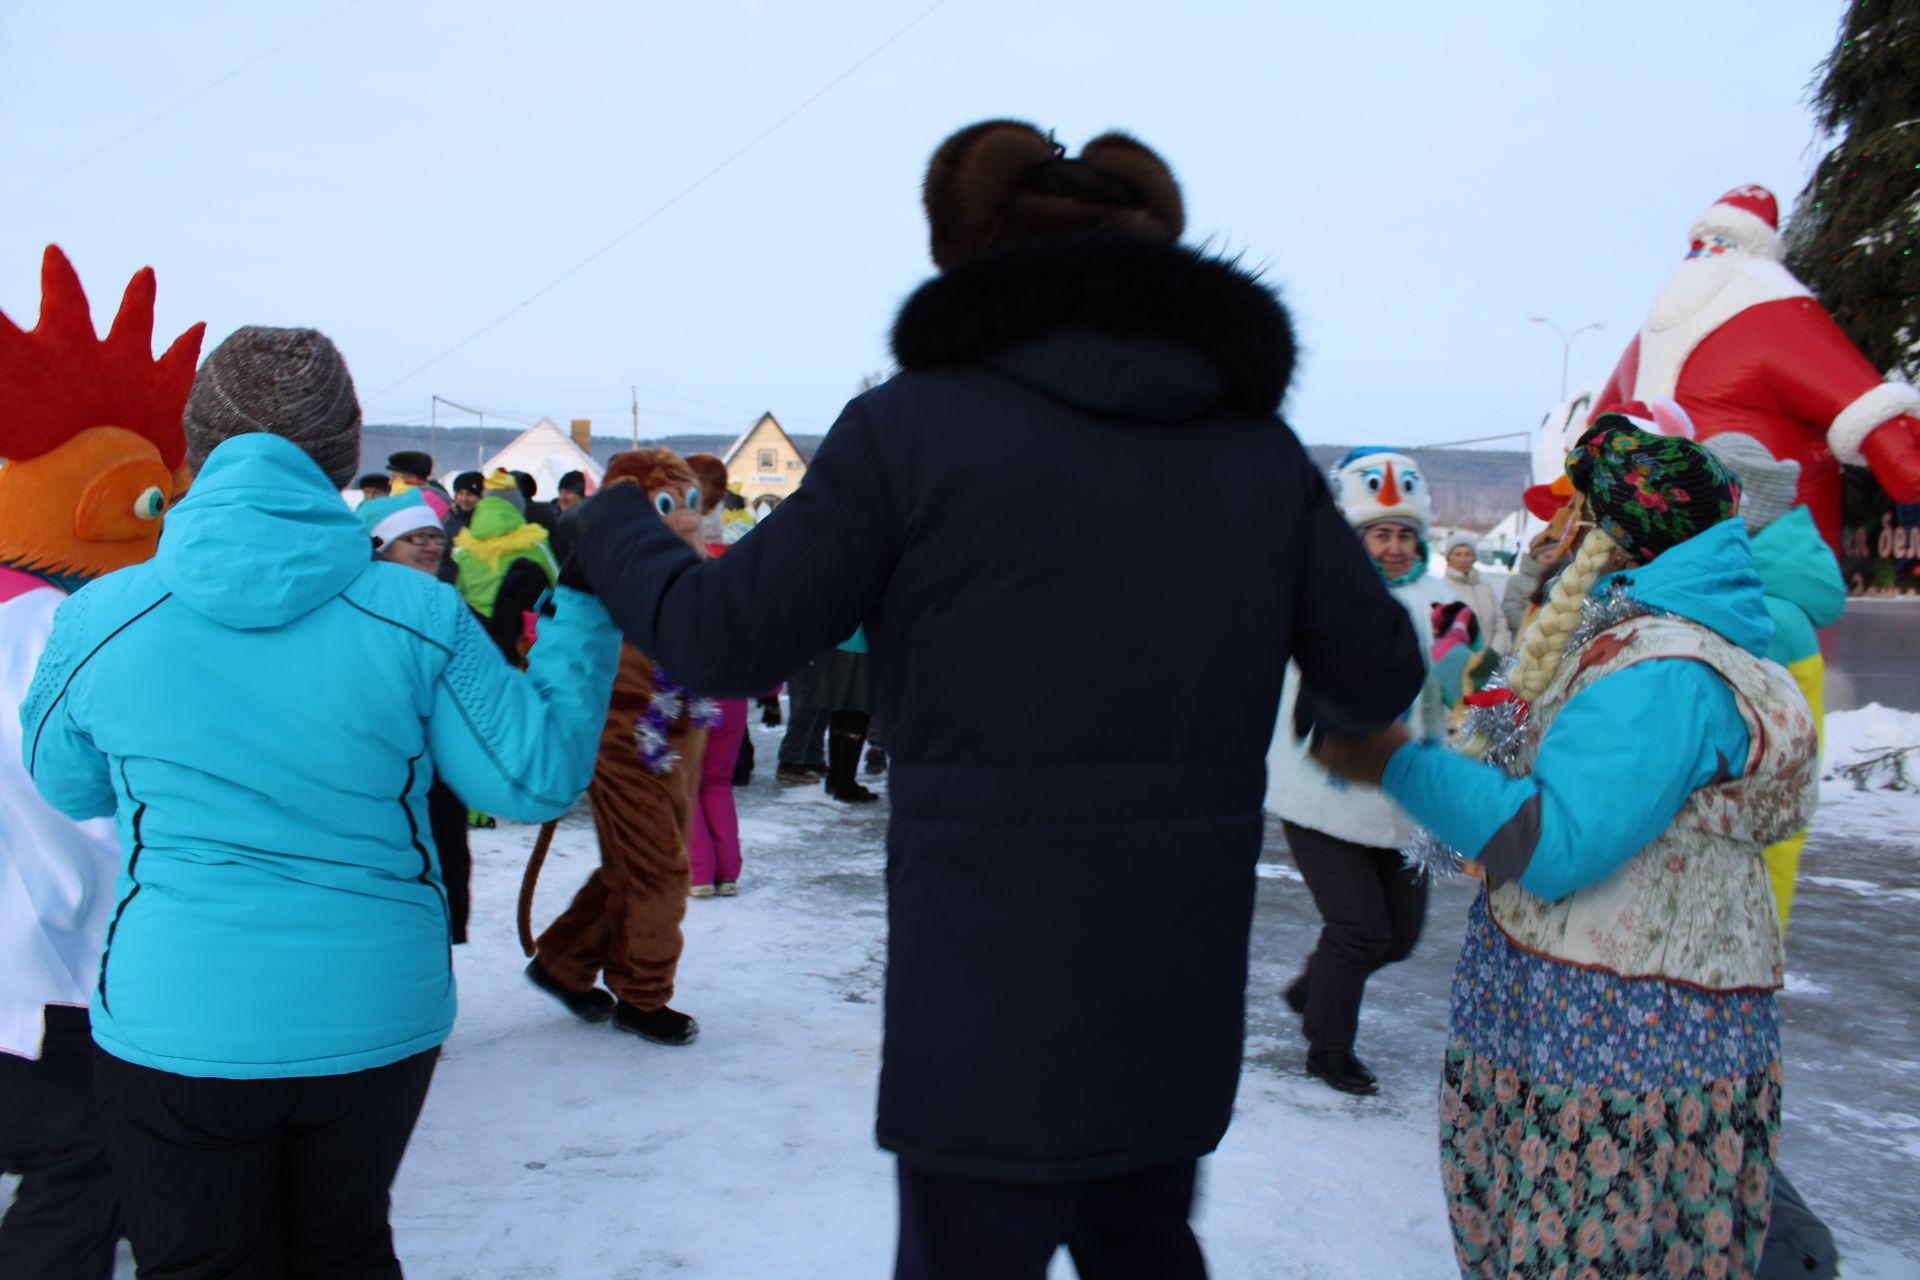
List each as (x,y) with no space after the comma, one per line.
(1077,724)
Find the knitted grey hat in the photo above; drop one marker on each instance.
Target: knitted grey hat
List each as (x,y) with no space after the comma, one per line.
(1767,483)
(290,383)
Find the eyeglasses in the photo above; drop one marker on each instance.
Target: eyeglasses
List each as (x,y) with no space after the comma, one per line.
(424,538)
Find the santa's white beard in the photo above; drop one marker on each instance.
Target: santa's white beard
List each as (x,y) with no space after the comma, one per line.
(1692,285)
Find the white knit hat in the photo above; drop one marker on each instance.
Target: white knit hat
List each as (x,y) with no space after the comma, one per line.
(390,518)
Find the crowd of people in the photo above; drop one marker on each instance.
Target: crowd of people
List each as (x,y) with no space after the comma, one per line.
(1070,875)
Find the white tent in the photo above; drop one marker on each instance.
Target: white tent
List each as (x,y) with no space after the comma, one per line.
(546,453)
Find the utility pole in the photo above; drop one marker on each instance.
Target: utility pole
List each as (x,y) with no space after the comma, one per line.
(480,440)
(636,415)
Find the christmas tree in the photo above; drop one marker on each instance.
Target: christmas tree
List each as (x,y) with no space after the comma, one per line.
(1856,227)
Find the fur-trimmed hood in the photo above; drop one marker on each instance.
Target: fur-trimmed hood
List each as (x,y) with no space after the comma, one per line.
(1116,324)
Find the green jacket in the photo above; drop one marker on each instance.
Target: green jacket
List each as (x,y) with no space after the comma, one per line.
(497,536)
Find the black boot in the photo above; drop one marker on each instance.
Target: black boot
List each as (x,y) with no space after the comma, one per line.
(743,763)
(662,1025)
(1341,1070)
(843,757)
(591,1005)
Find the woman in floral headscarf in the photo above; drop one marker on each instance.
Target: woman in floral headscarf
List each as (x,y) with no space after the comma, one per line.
(1611,1101)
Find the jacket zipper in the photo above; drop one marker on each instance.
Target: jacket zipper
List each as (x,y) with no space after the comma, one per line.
(133,866)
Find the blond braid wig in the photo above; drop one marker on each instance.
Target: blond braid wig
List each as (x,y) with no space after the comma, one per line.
(1543,645)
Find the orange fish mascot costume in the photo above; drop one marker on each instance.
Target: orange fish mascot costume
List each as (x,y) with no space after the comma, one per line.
(625,921)
(91,455)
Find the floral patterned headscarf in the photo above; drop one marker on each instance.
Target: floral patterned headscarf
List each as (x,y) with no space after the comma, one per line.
(1649,492)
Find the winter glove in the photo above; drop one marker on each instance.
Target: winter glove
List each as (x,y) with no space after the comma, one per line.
(770,712)
(1360,759)
(577,526)
(1893,451)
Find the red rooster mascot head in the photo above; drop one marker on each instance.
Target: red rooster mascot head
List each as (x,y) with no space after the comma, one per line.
(91,447)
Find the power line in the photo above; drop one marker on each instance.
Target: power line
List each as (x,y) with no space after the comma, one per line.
(195,96)
(1454,444)
(686,191)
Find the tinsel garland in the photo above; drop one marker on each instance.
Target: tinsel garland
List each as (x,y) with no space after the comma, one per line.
(1504,720)
(668,703)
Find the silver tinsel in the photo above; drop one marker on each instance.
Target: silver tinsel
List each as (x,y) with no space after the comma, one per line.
(1504,723)
(658,757)
(1610,608)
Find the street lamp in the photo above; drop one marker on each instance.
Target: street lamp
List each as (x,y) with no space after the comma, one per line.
(1566,345)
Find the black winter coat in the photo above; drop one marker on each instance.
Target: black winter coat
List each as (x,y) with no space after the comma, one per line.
(1078,678)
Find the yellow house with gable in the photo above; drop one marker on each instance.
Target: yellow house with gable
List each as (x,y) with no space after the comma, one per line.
(764,466)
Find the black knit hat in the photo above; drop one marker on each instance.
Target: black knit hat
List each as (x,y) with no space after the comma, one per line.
(469,482)
(574,482)
(374,480)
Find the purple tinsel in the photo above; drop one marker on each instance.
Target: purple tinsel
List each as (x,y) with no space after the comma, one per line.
(668,704)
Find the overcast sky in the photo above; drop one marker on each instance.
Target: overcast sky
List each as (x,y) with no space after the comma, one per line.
(1417,178)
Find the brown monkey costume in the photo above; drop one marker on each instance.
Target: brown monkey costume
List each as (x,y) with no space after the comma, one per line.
(625,921)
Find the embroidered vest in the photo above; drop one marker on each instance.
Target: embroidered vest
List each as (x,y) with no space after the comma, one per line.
(1694,905)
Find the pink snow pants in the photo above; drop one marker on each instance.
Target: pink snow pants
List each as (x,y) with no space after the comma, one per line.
(713,842)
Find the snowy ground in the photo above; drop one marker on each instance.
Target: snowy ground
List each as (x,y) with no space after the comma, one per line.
(553,1149)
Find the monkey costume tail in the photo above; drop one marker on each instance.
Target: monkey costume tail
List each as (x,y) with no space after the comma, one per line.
(529,881)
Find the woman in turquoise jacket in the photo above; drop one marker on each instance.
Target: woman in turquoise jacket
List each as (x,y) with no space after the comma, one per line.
(1611,1096)
(261,708)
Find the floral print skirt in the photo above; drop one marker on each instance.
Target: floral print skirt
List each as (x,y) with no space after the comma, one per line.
(1599,1128)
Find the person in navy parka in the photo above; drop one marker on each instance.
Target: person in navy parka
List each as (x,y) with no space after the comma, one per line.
(261,708)
(1077,724)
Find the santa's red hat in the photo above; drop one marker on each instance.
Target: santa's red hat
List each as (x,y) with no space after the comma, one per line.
(1749,216)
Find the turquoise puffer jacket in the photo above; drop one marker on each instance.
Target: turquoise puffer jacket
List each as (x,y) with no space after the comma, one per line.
(262,708)
(1803,584)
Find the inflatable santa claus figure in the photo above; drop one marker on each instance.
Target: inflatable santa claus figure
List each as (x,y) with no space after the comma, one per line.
(1744,347)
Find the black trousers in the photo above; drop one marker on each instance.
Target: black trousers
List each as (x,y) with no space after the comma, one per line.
(260,1179)
(1799,1246)
(1372,907)
(447,815)
(1130,1227)
(804,742)
(846,734)
(65,1217)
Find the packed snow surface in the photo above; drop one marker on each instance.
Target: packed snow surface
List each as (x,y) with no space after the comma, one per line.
(550,1148)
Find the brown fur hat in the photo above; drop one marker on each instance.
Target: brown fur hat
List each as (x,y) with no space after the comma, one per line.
(712,475)
(655,469)
(1004,180)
